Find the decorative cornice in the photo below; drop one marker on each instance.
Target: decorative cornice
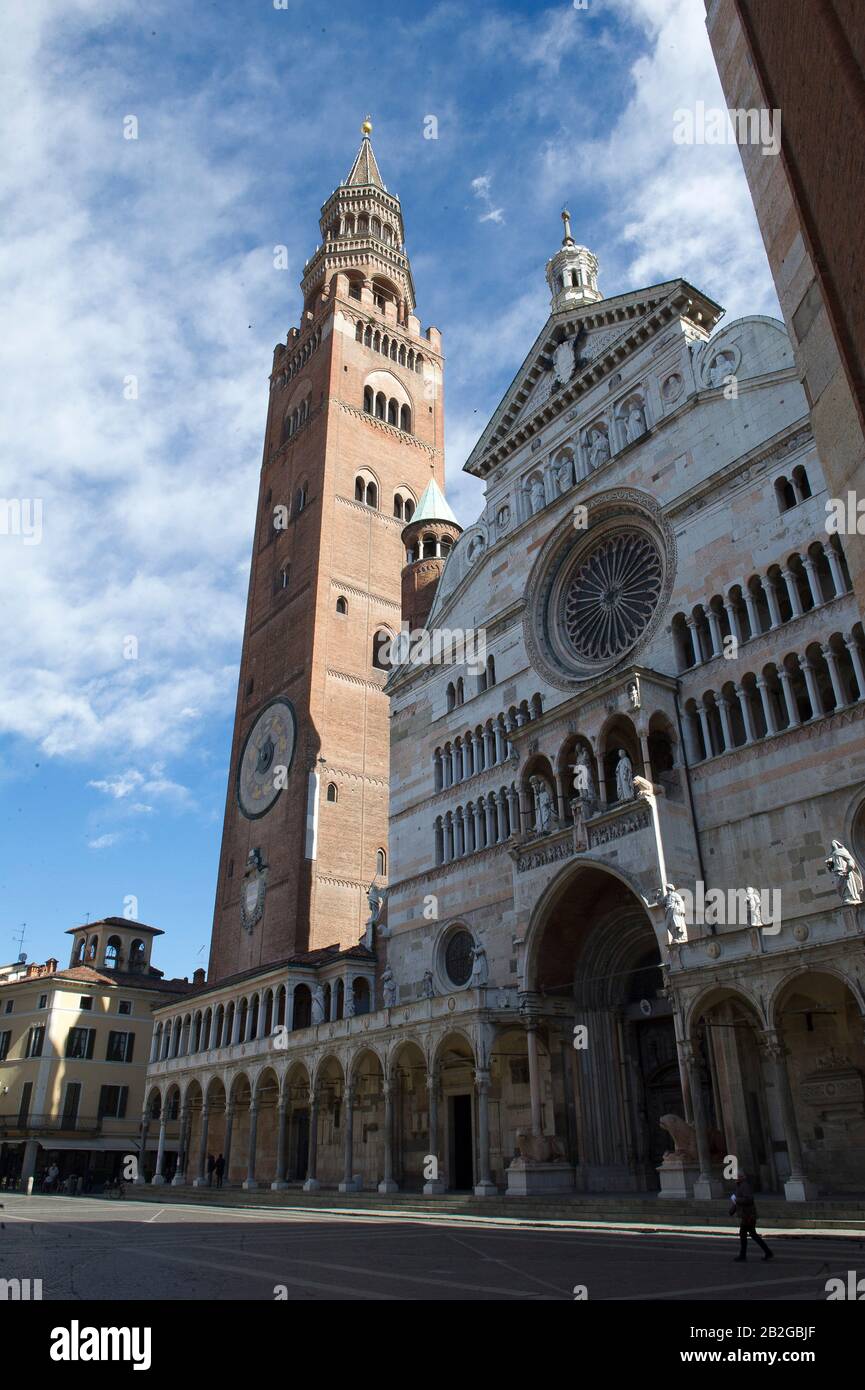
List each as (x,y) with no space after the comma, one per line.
(355,680)
(392,430)
(363,593)
(438,871)
(761,748)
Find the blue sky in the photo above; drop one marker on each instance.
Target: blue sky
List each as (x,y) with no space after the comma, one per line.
(153,259)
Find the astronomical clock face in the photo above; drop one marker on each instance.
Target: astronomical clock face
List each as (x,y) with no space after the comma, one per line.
(269,747)
(563,361)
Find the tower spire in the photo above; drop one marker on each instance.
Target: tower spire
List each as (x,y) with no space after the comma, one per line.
(572,273)
(365,172)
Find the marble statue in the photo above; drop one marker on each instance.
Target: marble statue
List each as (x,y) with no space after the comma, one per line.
(545,814)
(427,988)
(846,873)
(388,988)
(584,780)
(754,907)
(675,919)
(624,777)
(318,1004)
(721,367)
(349,1009)
(564,474)
(599,448)
(634,694)
(636,423)
(538,1148)
(480,970)
(538,496)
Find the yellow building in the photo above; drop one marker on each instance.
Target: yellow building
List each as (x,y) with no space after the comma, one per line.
(74,1046)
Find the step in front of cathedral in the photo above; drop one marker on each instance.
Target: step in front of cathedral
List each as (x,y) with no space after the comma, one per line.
(839,1216)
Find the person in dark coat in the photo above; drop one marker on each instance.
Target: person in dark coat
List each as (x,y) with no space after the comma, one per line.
(211,1164)
(219,1169)
(744,1208)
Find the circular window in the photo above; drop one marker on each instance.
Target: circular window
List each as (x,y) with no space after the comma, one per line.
(459,956)
(609,596)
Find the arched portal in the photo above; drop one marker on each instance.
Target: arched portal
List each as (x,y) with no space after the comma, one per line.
(608,1067)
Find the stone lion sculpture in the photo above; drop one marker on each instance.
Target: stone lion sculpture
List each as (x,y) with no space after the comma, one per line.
(685,1140)
(539,1148)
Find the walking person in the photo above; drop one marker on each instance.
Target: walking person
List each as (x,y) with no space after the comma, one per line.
(211,1165)
(219,1169)
(744,1208)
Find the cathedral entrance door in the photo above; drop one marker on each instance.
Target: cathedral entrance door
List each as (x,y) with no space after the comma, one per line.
(462,1163)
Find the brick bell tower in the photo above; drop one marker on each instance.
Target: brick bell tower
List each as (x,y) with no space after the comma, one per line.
(355,432)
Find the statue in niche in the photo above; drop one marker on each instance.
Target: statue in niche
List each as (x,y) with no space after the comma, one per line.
(720,368)
(624,777)
(388,988)
(545,814)
(753,907)
(636,422)
(584,778)
(846,873)
(427,988)
(564,473)
(675,918)
(599,448)
(480,970)
(318,1004)
(539,499)
(476,548)
(349,1009)
(634,694)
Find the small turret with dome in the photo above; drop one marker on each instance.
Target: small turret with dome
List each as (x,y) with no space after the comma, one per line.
(428,540)
(572,273)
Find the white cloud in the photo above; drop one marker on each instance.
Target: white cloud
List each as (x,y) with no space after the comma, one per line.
(481,187)
(104,841)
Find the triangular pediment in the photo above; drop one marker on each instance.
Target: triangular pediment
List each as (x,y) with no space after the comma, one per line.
(576,343)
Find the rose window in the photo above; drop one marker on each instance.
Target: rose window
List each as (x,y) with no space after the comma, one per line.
(610,598)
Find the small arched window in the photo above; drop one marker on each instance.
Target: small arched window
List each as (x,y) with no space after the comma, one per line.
(112,952)
(342,604)
(393,412)
(381,650)
(359,489)
(405,419)
(491,671)
(461,695)
(451,696)
(398,507)
(368,400)
(371,495)
(380,864)
(300,498)
(380,405)
(409,509)
(428,547)
(283,578)
(82,946)
(91,949)
(332,793)
(446,545)
(358,332)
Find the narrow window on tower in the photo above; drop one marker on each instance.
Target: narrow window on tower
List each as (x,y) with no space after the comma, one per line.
(405,419)
(371,495)
(380,649)
(342,604)
(283,578)
(300,499)
(380,863)
(332,793)
(398,507)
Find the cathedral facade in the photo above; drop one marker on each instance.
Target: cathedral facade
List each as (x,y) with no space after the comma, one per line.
(615,941)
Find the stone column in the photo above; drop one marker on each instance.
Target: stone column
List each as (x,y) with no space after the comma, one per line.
(347,1184)
(489,754)
(281,1126)
(797,1188)
(466,760)
(704,725)
(179,1178)
(534,1074)
(814,696)
(502,816)
(140,1179)
(438,771)
(200,1180)
(724,710)
(766,701)
(692,749)
(835,676)
(479,825)
(813,580)
(484,1187)
(229,1131)
(772,600)
(158,1177)
(312,1183)
(433,1186)
(387,1183)
(705,1187)
(745,706)
(751,607)
(714,631)
(439,842)
(835,567)
(490,818)
(499,734)
(250,1183)
(455,777)
(514,808)
(792,592)
(733,618)
(789,699)
(696,645)
(856,657)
